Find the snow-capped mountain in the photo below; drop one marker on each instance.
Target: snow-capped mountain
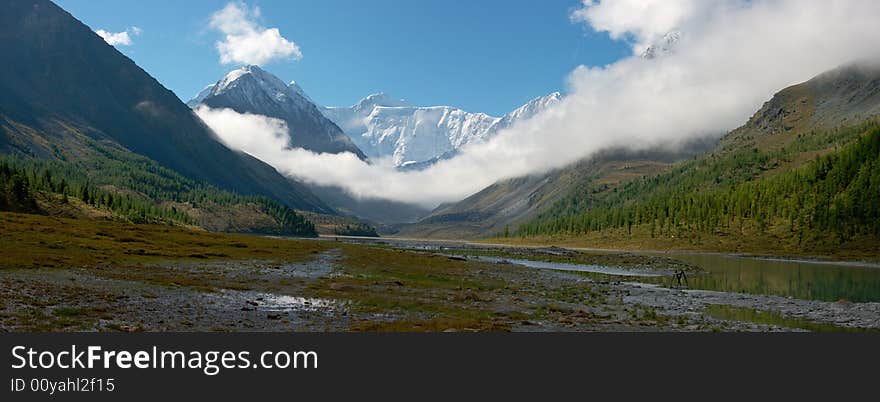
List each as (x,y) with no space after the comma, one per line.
(417,136)
(250,89)
(527,111)
(378,126)
(201,96)
(663,46)
(293,86)
(384,127)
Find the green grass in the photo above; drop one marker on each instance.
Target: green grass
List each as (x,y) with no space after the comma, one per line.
(35,241)
(67,311)
(746,314)
(423,292)
(82,275)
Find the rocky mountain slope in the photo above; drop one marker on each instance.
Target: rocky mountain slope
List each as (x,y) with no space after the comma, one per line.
(789,130)
(62,86)
(802,175)
(503,206)
(414,137)
(250,89)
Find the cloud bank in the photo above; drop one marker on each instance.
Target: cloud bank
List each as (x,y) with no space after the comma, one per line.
(245,41)
(731,57)
(119,38)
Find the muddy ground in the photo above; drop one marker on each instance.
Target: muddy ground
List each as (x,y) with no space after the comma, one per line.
(390,287)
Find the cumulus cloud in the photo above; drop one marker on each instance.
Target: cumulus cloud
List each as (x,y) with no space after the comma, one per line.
(119,38)
(732,56)
(245,41)
(642,21)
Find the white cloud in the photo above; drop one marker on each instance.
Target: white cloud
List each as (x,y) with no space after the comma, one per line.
(644,21)
(733,55)
(119,38)
(245,41)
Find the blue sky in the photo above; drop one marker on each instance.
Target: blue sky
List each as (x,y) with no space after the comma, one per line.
(487,56)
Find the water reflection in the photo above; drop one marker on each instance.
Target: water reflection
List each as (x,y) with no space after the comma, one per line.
(798,279)
(746,314)
(599,269)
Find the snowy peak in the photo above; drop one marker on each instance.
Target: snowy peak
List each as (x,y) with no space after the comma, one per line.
(417,136)
(253,85)
(253,75)
(384,127)
(534,107)
(378,126)
(662,47)
(253,82)
(204,93)
(379,99)
(531,109)
(250,89)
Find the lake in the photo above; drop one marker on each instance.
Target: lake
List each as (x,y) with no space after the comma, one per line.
(812,280)
(801,279)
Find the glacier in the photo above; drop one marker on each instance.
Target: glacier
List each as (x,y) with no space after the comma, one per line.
(377,127)
(414,137)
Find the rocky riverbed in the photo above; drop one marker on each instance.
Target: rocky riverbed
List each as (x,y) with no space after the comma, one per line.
(340,286)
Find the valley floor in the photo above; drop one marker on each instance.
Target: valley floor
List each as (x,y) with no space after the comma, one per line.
(85,275)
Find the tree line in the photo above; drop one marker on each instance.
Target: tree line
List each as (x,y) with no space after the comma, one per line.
(835,195)
(131,186)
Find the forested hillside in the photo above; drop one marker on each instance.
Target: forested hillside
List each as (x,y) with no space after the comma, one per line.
(136,189)
(802,174)
(59,82)
(833,199)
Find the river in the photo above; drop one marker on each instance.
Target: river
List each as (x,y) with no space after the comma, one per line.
(800,279)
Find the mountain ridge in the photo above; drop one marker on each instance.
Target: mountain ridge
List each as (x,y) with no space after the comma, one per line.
(414,137)
(250,89)
(800,175)
(504,205)
(546,205)
(61,78)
